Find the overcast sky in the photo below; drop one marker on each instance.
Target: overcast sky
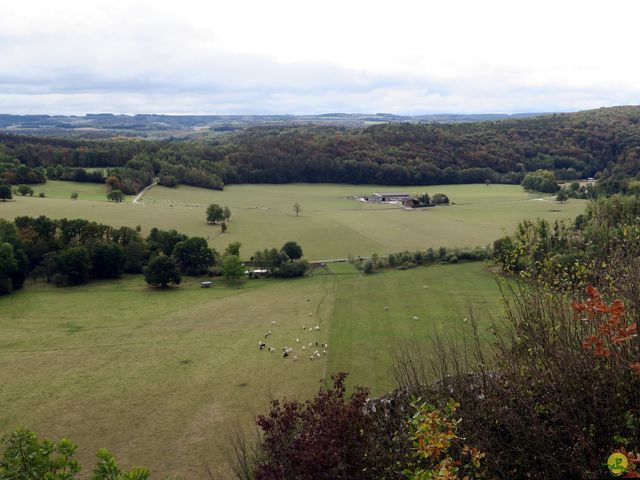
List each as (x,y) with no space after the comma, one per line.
(315,56)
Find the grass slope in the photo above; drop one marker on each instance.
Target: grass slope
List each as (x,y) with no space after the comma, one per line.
(160,377)
(330,225)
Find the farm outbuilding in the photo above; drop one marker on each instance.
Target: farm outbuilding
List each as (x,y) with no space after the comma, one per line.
(388,197)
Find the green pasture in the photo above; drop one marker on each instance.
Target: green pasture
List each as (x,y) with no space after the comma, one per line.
(331,225)
(161,376)
(96,192)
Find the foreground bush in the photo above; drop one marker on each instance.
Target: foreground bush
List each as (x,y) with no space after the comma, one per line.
(24,457)
(335,436)
(560,377)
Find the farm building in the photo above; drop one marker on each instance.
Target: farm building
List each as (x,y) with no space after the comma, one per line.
(388,197)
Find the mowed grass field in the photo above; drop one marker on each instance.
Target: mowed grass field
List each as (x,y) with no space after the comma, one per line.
(160,377)
(331,225)
(95,192)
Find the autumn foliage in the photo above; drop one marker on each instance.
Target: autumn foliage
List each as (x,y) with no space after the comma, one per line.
(611,331)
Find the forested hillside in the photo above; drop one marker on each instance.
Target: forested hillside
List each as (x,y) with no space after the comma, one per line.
(603,143)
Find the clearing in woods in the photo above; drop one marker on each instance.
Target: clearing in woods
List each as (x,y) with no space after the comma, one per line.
(331,225)
(160,376)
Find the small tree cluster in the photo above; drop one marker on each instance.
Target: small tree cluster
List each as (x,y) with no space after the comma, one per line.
(25,190)
(540,181)
(217,213)
(286,262)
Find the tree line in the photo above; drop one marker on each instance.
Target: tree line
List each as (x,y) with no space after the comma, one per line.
(604,143)
(74,251)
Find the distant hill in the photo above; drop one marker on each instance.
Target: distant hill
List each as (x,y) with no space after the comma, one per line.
(104,125)
(603,143)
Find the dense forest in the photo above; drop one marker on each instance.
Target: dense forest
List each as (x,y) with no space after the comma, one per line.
(602,143)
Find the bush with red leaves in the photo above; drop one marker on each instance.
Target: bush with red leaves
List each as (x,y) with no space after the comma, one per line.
(319,439)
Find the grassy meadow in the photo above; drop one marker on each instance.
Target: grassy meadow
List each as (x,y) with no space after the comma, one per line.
(331,225)
(95,192)
(160,377)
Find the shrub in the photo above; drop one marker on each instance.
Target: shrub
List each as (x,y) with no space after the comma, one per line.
(295,268)
(321,438)
(367,267)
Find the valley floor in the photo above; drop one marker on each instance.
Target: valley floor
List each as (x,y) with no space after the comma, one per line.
(161,377)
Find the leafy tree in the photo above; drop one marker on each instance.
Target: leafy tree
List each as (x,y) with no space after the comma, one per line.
(232,268)
(115,196)
(8,268)
(108,260)
(233,249)
(226,213)
(72,266)
(25,190)
(9,234)
(540,181)
(135,254)
(168,181)
(293,250)
(74,195)
(5,192)
(41,195)
(27,458)
(367,267)
(562,196)
(107,469)
(215,213)
(193,256)
(297,208)
(164,241)
(162,271)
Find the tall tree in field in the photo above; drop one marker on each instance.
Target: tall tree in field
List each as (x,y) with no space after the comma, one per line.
(115,196)
(562,196)
(293,250)
(297,208)
(215,213)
